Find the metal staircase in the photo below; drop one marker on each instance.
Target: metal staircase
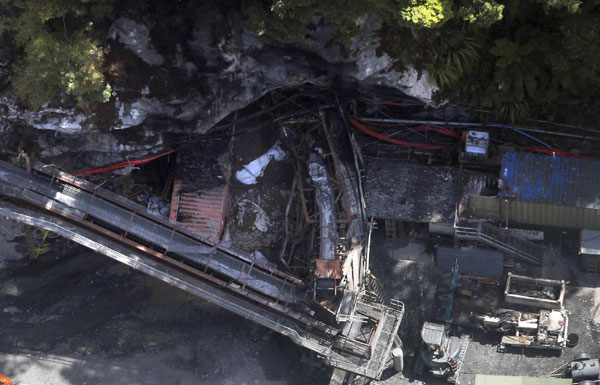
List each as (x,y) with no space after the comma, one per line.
(501,239)
(391,230)
(457,366)
(377,345)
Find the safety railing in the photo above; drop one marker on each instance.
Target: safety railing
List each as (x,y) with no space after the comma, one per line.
(501,239)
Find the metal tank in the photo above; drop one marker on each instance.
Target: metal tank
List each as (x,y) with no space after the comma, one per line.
(583,367)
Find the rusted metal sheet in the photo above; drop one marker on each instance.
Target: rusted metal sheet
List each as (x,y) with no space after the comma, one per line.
(202,212)
(200,196)
(328,268)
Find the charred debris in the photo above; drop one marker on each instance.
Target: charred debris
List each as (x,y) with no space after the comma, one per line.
(271,216)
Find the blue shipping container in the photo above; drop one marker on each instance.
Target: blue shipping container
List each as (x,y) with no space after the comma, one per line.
(551,180)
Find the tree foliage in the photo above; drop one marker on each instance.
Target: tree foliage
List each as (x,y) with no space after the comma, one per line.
(516,57)
(427,13)
(61,55)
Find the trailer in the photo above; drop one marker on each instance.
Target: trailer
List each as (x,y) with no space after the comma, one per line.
(537,292)
(544,330)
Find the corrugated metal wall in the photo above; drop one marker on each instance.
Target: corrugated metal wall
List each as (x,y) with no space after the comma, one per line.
(544,190)
(534,213)
(473,263)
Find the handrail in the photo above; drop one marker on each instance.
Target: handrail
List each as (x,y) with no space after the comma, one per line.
(491,235)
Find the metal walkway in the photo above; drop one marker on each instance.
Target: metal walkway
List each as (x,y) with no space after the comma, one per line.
(122,230)
(500,239)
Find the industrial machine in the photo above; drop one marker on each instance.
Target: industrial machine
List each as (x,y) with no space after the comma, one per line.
(322,304)
(441,352)
(544,330)
(584,368)
(476,145)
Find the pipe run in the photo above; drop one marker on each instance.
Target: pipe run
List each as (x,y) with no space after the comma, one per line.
(520,130)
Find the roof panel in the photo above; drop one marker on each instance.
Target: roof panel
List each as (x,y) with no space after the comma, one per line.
(551,180)
(200,191)
(485,379)
(471,262)
(410,192)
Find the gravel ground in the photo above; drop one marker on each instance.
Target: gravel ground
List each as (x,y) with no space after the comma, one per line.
(405,269)
(85,319)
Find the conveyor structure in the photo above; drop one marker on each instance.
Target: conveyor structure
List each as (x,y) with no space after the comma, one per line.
(116,227)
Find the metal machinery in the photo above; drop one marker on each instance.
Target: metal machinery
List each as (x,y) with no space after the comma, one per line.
(538,292)
(442,353)
(584,369)
(330,313)
(544,330)
(476,145)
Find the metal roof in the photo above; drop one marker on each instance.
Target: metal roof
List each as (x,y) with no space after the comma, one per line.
(471,262)
(410,192)
(200,190)
(589,242)
(550,179)
(485,379)
(432,333)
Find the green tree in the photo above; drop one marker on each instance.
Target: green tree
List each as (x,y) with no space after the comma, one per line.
(516,57)
(60,52)
(480,13)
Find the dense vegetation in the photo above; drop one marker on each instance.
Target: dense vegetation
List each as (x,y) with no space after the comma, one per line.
(516,57)
(519,58)
(61,53)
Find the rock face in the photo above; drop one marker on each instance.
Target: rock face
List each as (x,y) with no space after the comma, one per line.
(187,72)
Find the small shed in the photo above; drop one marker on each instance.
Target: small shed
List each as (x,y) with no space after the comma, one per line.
(589,242)
(471,262)
(589,250)
(544,190)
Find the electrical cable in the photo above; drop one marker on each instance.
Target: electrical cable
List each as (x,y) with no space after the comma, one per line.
(409,104)
(121,164)
(377,135)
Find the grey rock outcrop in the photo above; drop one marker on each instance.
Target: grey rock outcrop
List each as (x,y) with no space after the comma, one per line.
(192,84)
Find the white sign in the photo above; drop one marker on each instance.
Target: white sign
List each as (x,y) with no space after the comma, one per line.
(532,235)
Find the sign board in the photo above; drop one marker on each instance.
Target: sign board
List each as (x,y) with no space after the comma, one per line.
(532,235)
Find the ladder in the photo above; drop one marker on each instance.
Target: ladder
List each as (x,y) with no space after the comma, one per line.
(591,269)
(391,230)
(464,345)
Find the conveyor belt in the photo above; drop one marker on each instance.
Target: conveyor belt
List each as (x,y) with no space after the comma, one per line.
(100,209)
(272,316)
(230,278)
